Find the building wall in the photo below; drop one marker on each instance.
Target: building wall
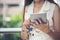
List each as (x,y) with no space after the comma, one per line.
(11,10)
(15,9)
(10,1)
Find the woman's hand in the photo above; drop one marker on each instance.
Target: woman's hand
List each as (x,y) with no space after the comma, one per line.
(24,33)
(41,25)
(26,22)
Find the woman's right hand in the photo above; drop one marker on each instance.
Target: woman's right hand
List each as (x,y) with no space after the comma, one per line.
(26,22)
(24,33)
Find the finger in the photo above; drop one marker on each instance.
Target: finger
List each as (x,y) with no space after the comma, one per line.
(28,20)
(47,22)
(37,21)
(25,23)
(42,20)
(24,29)
(34,21)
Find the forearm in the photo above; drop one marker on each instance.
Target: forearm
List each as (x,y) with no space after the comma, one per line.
(54,35)
(24,35)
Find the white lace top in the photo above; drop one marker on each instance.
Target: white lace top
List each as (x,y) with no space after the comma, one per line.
(47,8)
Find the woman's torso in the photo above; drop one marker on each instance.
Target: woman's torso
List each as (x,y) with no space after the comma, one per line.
(47,8)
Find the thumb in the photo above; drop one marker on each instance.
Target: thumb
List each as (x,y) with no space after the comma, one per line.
(47,22)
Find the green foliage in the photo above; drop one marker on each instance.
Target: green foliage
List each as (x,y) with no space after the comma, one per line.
(15,21)
(1,20)
(1,37)
(13,36)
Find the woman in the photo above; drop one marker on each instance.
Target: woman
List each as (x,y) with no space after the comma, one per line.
(40,31)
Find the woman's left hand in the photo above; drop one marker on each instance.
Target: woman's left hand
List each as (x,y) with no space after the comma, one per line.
(41,25)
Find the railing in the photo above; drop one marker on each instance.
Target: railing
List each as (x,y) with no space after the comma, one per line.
(10,30)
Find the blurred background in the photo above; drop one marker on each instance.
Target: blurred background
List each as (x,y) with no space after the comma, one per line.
(58,2)
(11,18)
(11,13)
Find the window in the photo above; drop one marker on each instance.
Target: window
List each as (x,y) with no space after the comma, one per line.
(11,15)
(1,5)
(11,19)
(13,5)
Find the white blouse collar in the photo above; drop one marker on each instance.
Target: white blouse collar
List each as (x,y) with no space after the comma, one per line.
(45,7)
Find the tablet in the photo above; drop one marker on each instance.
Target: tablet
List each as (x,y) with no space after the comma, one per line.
(43,16)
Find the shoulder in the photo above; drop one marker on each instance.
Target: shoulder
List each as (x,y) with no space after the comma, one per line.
(55,5)
(56,11)
(56,8)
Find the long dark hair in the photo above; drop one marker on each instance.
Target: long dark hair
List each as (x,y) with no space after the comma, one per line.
(28,2)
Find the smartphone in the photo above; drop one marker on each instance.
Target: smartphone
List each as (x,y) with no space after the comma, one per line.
(43,16)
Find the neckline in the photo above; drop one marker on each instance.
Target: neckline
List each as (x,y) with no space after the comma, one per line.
(40,9)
